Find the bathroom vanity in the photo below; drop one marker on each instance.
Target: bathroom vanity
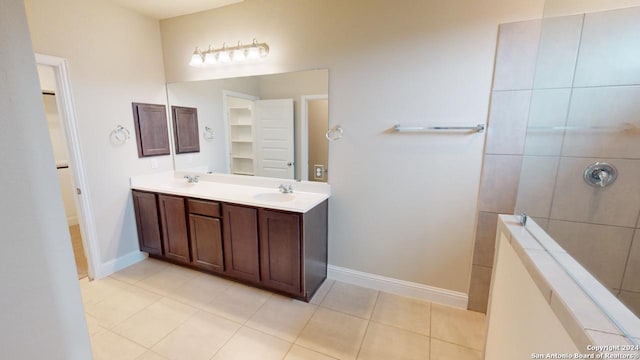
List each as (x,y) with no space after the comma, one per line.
(237,227)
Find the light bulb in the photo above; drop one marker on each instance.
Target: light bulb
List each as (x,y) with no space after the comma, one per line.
(196,58)
(253,53)
(223,56)
(209,58)
(238,55)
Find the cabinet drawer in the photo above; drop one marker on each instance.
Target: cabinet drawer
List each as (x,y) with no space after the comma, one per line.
(203,207)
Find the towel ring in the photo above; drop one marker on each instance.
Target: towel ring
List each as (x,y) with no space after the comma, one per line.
(120,135)
(335,133)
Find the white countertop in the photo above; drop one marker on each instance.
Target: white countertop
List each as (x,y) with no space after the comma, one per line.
(235,189)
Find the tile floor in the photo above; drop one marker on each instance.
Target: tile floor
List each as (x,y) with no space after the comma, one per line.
(155,311)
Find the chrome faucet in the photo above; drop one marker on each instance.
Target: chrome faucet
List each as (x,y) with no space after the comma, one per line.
(285,189)
(192,179)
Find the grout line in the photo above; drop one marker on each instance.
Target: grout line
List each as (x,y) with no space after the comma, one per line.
(456,344)
(364,336)
(570,87)
(307,324)
(569,221)
(226,342)
(626,263)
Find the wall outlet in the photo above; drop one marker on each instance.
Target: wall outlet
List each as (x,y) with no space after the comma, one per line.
(318,172)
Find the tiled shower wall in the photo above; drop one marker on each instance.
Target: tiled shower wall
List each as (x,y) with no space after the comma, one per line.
(577,72)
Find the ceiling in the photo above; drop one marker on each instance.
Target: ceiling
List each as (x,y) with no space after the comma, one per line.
(163,9)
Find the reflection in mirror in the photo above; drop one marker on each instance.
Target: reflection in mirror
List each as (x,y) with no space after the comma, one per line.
(266,125)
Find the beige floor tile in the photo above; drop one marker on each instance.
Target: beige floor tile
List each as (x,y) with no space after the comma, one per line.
(200,337)
(140,270)
(441,350)
(299,353)
(333,333)
(403,312)
(93,326)
(462,327)
(238,302)
(110,346)
(120,306)
(201,290)
(168,280)
(282,317)
(150,355)
(153,323)
(252,344)
(322,291)
(384,342)
(97,290)
(351,299)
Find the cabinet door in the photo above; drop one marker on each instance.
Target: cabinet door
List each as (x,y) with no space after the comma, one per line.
(146,210)
(185,129)
(241,242)
(174,227)
(280,251)
(206,242)
(150,122)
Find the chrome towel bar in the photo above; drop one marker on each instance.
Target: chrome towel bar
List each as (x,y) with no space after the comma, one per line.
(476,129)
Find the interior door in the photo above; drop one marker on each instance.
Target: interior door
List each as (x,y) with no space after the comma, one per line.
(274,138)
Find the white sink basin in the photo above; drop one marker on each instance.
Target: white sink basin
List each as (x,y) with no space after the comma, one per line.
(274,197)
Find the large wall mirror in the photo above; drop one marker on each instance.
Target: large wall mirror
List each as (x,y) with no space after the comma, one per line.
(266,125)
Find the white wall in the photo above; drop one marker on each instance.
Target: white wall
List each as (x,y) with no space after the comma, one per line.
(403,206)
(573,7)
(42,316)
(115,58)
(521,321)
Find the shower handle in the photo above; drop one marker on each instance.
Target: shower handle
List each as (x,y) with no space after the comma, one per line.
(600,174)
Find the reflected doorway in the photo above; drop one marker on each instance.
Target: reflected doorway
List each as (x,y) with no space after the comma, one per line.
(61,157)
(315,123)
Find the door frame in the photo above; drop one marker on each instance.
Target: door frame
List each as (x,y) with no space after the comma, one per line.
(304,132)
(69,121)
(225,116)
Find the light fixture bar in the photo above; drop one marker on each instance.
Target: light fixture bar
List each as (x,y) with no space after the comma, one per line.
(228,54)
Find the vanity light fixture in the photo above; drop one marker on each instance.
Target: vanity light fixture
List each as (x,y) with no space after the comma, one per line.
(228,54)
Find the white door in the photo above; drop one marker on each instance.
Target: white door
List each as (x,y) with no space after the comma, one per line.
(274,138)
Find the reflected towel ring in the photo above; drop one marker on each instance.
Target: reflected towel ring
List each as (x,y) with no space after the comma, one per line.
(208,133)
(335,133)
(120,135)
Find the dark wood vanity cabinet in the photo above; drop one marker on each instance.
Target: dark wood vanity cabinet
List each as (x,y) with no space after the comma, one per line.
(277,250)
(205,230)
(146,209)
(241,244)
(173,223)
(280,250)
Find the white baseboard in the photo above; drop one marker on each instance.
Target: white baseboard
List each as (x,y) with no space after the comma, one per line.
(398,287)
(122,262)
